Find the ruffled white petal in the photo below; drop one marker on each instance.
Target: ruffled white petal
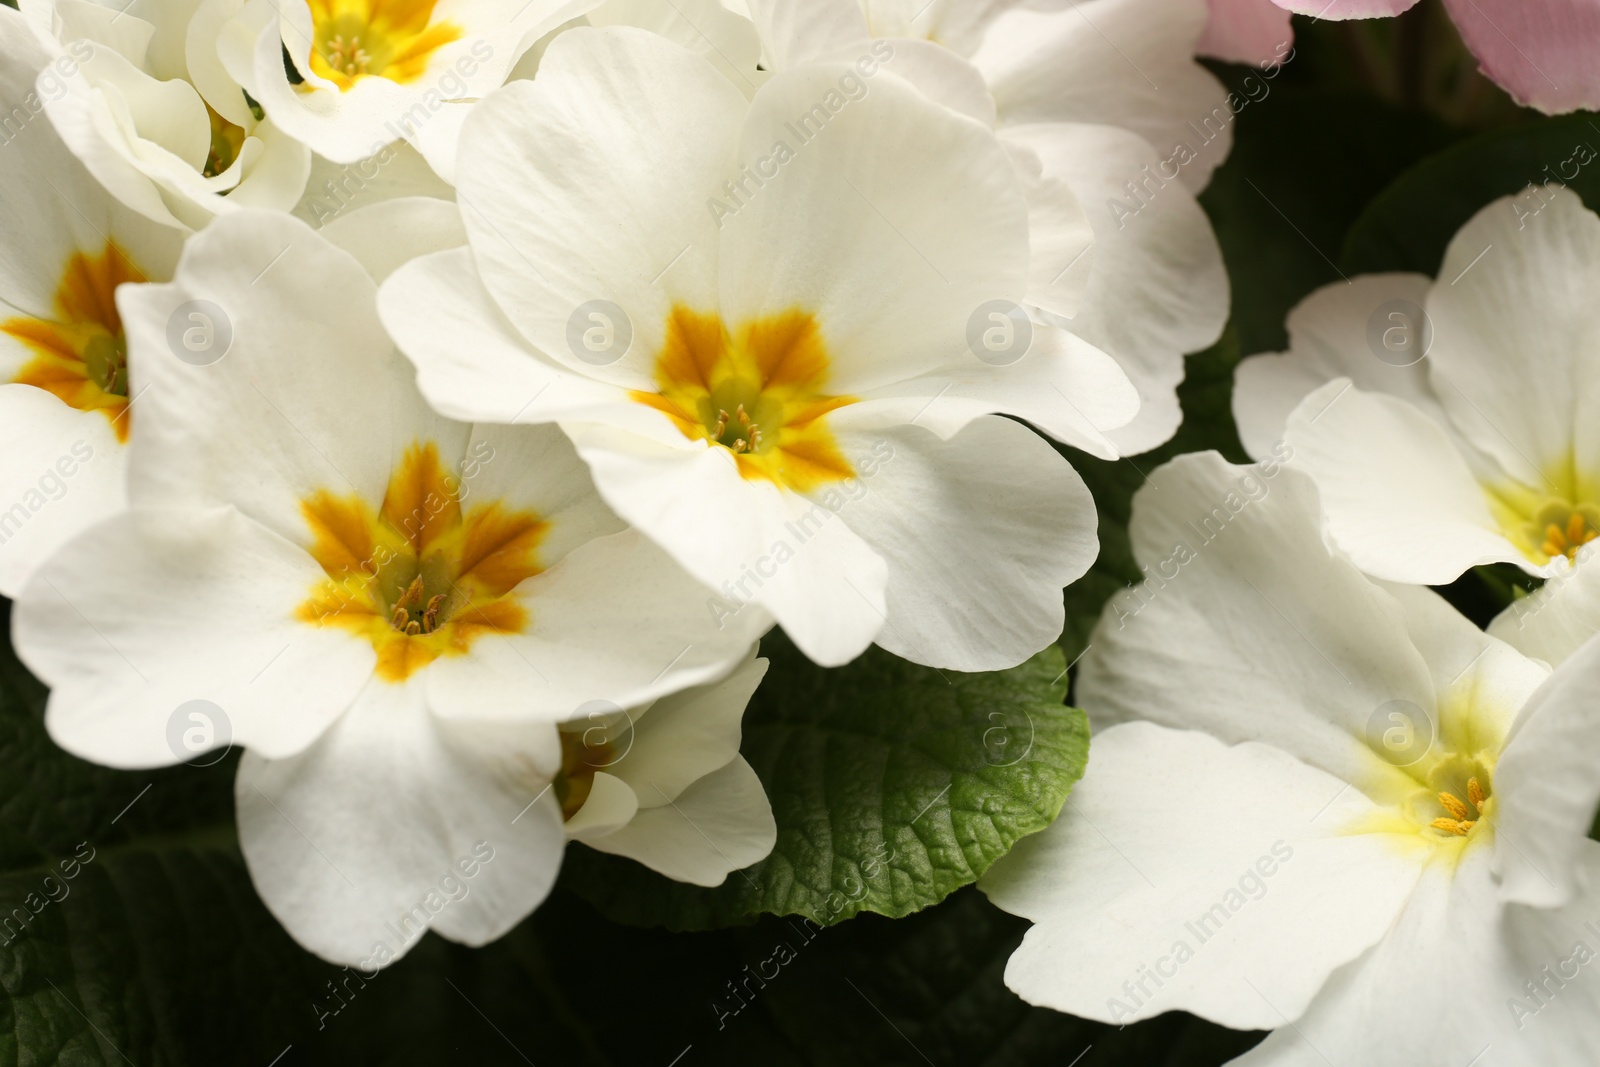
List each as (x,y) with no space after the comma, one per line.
(1157,289)
(61,471)
(684,736)
(591,183)
(1400,498)
(366,840)
(1451,982)
(275,429)
(897,222)
(616,620)
(385,235)
(151,610)
(720,824)
(472,364)
(1339,331)
(979,589)
(1127,63)
(1184,874)
(1059,382)
(1250,628)
(1546,790)
(1554,622)
(1516,352)
(748,541)
(726,40)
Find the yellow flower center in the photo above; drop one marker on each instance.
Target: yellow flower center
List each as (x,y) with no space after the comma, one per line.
(226,142)
(1460,816)
(81,354)
(1550,520)
(393,39)
(581,756)
(1562,529)
(1443,800)
(420,577)
(760,393)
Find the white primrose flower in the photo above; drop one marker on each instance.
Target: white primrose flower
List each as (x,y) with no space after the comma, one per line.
(1082,97)
(1376,844)
(665,784)
(64,396)
(1447,423)
(347,77)
(138,92)
(792,398)
(388,609)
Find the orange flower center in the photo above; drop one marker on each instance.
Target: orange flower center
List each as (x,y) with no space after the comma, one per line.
(421,577)
(81,354)
(760,393)
(393,39)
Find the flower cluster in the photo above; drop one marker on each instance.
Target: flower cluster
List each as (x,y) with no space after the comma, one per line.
(1323,802)
(440,400)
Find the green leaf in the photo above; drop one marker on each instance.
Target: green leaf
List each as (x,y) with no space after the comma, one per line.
(1408,227)
(892,784)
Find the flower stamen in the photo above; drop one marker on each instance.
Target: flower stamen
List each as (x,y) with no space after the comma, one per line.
(1461,819)
(347,57)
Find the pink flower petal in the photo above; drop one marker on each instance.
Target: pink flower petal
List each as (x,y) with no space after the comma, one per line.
(1246,31)
(1543,52)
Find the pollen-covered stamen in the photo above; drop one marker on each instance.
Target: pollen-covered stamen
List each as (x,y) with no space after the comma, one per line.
(1566,540)
(1453,805)
(1556,528)
(410,616)
(738,433)
(1461,819)
(347,57)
